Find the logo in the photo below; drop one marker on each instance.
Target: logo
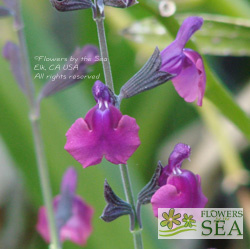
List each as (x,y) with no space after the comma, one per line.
(200,223)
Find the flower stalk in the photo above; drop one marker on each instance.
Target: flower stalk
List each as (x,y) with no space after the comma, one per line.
(39,148)
(98,16)
(135,227)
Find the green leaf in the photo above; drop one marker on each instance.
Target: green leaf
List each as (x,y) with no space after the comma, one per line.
(220,35)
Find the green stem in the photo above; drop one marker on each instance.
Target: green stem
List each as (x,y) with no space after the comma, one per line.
(135,228)
(104,52)
(137,239)
(34,119)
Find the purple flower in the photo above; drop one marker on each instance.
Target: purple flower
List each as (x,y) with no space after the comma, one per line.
(73,215)
(190,80)
(103,132)
(179,188)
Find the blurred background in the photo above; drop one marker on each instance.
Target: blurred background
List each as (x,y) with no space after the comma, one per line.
(220,150)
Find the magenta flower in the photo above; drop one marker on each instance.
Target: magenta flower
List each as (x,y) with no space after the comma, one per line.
(103,132)
(73,215)
(179,188)
(190,80)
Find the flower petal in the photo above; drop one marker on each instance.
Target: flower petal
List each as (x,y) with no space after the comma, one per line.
(42,225)
(170,224)
(181,191)
(197,60)
(189,26)
(200,200)
(102,93)
(172,56)
(82,143)
(177,216)
(167,197)
(69,181)
(164,223)
(122,141)
(171,213)
(176,222)
(77,229)
(165,215)
(180,152)
(103,133)
(191,82)
(187,82)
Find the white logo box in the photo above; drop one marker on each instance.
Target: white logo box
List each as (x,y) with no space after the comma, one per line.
(200,223)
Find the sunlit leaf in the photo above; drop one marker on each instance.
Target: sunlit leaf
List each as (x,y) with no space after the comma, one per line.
(220,35)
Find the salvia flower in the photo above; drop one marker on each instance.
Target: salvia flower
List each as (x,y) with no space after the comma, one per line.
(104,132)
(186,64)
(179,188)
(73,215)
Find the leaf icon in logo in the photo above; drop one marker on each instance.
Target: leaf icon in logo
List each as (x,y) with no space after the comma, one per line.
(170,218)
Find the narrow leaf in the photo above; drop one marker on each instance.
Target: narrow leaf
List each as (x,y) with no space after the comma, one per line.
(220,35)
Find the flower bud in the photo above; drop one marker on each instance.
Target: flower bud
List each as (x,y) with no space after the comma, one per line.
(70,5)
(102,93)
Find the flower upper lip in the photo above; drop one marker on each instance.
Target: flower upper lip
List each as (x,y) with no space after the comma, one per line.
(190,79)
